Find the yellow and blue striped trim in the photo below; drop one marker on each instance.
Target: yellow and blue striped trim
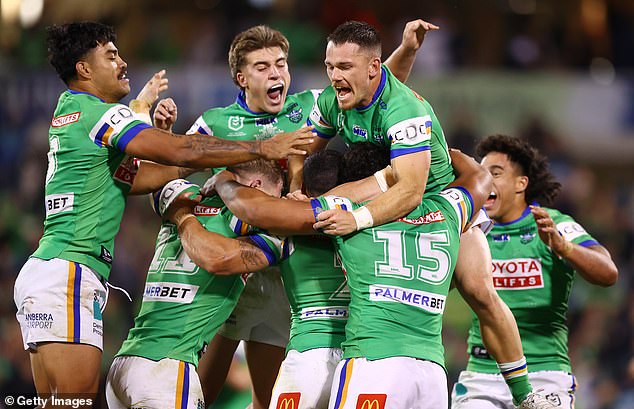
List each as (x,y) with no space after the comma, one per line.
(182,386)
(73,298)
(344,382)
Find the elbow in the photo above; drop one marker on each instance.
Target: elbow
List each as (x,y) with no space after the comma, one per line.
(610,277)
(412,197)
(217,265)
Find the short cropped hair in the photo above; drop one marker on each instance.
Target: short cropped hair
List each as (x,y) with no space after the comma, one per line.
(321,172)
(269,170)
(542,186)
(69,43)
(362,160)
(253,39)
(360,33)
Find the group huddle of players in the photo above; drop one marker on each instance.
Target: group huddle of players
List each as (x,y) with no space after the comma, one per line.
(339,288)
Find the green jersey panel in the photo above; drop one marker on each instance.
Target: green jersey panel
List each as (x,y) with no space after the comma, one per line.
(536,285)
(399,275)
(396,117)
(238,122)
(88,179)
(183,305)
(317,293)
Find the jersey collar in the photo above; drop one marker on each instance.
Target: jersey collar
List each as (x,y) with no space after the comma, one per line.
(525,213)
(241,100)
(72,91)
(378,91)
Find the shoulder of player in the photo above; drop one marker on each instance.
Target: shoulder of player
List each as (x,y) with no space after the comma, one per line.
(557,215)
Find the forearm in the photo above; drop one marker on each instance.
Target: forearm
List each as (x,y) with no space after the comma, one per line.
(396,202)
(400,62)
(295,169)
(218,254)
(152,176)
(593,263)
(277,216)
(191,151)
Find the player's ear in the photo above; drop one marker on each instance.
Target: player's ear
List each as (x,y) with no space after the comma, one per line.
(375,67)
(255,183)
(83,70)
(521,183)
(241,79)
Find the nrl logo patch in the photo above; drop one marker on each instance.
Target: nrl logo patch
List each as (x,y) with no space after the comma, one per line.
(235,122)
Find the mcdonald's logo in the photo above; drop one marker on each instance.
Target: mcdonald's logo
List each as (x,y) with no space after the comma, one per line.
(288,400)
(371,401)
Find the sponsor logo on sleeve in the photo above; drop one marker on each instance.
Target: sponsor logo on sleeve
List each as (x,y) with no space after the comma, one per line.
(411,131)
(433,217)
(571,230)
(59,203)
(371,401)
(434,303)
(332,312)
(65,119)
(517,274)
(126,172)
(288,400)
(201,210)
(336,202)
(170,292)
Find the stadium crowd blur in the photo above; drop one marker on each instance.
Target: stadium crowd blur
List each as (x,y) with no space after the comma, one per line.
(586,41)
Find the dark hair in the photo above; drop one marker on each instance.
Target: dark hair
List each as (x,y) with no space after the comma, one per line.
(542,186)
(69,43)
(269,169)
(362,160)
(321,172)
(357,32)
(253,39)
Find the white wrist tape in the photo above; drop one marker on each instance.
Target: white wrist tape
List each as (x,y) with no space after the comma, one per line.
(143,117)
(363,218)
(163,198)
(380,179)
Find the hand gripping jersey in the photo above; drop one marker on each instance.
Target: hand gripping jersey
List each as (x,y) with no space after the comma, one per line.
(317,292)
(399,275)
(535,284)
(238,122)
(88,179)
(183,305)
(397,117)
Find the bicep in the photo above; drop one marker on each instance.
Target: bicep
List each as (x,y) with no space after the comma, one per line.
(412,169)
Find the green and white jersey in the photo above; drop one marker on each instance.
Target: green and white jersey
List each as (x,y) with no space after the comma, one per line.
(238,122)
(183,305)
(535,284)
(317,292)
(396,117)
(399,275)
(88,179)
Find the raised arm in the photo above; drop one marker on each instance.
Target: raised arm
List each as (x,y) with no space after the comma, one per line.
(296,163)
(593,263)
(402,59)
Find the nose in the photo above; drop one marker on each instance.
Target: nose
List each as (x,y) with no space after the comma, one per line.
(335,74)
(274,72)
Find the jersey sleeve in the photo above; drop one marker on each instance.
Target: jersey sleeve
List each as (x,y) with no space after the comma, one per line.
(275,248)
(573,231)
(324,115)
(331,202)
(200,126)
(409,128)
(116,127)
(462,204)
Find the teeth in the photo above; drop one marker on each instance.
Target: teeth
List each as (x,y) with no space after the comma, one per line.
(278,87)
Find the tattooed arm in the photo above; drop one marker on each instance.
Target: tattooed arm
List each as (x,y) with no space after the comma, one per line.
(216,253)
(206,151)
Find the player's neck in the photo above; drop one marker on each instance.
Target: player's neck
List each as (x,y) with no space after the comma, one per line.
(89,88)
(515,212)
